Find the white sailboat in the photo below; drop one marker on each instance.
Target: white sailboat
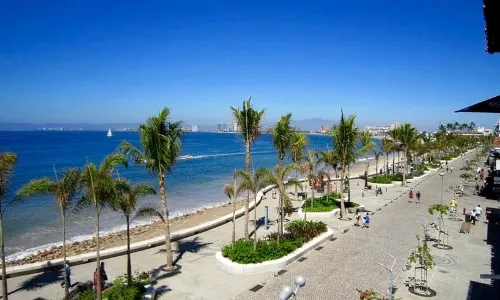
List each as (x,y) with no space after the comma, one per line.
(109,132)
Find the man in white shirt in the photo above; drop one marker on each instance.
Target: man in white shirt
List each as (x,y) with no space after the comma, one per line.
(479,211)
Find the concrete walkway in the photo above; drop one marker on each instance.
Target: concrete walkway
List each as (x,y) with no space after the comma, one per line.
(350,262)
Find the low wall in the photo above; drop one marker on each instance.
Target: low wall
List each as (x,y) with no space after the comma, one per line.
(271,265)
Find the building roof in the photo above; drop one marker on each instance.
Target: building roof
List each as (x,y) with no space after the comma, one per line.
(491,12)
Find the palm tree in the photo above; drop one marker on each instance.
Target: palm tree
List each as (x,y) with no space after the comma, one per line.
(98,191)
(377,155)
(366,139)
(277,178)
(308,169)
(64,191)
(252,183)
(8,162)
(472,126)
(407,137)
(125,202)
(232,192)
(161,143)
(456,126)
(329,158)
(297,147)
(282,137)
(345,134)
(249,121)
(387,146)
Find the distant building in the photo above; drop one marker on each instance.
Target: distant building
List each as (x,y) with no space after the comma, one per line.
(194,128)
(219,127)
(236,128)
(324,128)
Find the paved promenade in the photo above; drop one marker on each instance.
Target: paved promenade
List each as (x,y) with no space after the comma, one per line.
(351,261)
(334,272)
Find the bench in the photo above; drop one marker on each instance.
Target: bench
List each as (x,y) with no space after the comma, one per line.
(465,228)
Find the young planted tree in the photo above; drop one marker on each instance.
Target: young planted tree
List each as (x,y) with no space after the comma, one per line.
(442,209)
(308,168)
(297,148)
(330,160)
(64,190)
(161,146)
(98,191)
(407,137)
(282,137)
(125,202)
(8,162)
(345,136)
(232,191)
(277,178)
(249,121)
(252,183)
(366,139)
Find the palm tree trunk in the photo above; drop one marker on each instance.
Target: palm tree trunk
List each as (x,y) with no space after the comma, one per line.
(166,221)
(280,216)
(247,168)
(234,221)
(404,168)
(98,260)
(255,222)
(387,163)
(65,275)
(4,273)
(366,172)
(129,260)
(342,204)
(393,163)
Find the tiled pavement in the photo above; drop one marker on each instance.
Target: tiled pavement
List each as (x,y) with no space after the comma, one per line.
(351,261)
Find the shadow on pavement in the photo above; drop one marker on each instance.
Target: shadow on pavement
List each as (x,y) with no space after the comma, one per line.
(479,290)
(39,280)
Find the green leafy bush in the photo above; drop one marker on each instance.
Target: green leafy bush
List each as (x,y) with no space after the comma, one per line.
(466,175)
(122,291)
(85,295)
(243,252)
(321,204)
(466,168)
(298,233)
(306,230)
(381,179)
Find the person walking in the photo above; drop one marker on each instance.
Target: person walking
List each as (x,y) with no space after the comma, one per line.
(357,217)
(479,212)
(410,196)
(366,221)
(418,196)
(451,169)
(453,205)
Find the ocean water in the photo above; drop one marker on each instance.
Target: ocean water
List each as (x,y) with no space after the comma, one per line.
(195,182)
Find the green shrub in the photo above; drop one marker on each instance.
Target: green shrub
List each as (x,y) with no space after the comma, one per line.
(122,291)
(306,230)
(466,168)
(298,233)
(466,175)
(321,204)
(85,295)
(242,251)
(382,179)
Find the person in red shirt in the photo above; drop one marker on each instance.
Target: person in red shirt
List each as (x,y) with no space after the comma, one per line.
(410,195)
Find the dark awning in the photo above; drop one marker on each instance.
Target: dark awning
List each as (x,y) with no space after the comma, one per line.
(488,106)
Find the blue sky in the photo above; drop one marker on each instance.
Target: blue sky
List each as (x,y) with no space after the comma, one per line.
(120,61)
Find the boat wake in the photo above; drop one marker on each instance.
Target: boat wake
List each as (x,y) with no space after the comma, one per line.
(188,156)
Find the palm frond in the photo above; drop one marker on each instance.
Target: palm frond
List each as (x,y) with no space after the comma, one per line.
(133,153)
(37,187)
(148,211)
(8,162)
(143,189)
(82,204)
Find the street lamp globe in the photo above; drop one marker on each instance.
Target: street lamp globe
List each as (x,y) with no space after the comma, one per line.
(300,281)
(286,293)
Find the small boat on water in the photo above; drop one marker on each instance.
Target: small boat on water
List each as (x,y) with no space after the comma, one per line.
(185,156)
(109,133)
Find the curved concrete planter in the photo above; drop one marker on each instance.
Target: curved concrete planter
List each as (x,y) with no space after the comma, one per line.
(120,250)
(332,213)
(271,265)
(397,183)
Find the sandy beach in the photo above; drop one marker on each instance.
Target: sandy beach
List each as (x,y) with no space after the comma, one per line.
(145,232)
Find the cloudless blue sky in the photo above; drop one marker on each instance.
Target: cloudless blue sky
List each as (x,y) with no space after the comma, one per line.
(121,61)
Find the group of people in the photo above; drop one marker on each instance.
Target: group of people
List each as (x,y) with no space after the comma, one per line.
(410,196)
(475,214)
(365,220)
(104,276)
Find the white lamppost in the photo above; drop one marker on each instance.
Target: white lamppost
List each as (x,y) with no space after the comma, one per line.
(287,291)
